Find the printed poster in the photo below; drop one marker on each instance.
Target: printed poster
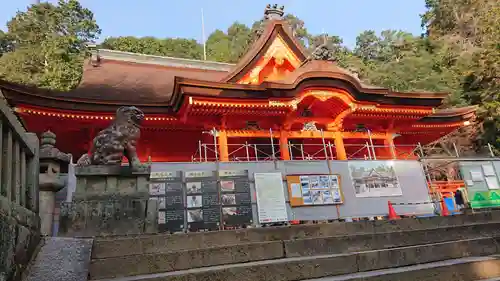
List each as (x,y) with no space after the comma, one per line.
(270,197)
(374,179)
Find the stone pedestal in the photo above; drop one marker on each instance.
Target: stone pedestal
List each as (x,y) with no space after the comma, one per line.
(108,200)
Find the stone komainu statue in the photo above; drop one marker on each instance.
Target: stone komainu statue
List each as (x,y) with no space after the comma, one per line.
(116,141)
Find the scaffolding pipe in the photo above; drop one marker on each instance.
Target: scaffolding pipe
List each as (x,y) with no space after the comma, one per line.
(214,132)
(369,151)
(371,143)
(429,179)
(456,150)
(255,149)
(272,143)
(330,148)
(491,150)
(199,147)
(248,153)
(302,151)
(206,156)
(324,145)
(421,150)
(290,149)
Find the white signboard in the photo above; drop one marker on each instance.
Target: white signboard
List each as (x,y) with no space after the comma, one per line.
(270,197)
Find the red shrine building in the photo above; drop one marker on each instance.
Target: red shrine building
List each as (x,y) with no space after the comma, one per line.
(277,102)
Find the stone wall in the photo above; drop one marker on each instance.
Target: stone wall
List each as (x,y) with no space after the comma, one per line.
(19,237)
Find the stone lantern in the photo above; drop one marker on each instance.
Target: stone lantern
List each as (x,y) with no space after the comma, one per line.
(52,161)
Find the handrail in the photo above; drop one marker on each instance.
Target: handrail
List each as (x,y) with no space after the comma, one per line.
(19,161)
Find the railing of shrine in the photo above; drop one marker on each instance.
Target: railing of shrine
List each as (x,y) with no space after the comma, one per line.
(19,163)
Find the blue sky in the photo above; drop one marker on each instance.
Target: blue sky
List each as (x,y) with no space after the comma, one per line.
(169,18)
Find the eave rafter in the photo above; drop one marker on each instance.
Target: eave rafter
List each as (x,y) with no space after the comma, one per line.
(237,111)
(83,116)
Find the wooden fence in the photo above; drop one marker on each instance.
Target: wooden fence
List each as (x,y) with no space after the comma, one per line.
(19,162)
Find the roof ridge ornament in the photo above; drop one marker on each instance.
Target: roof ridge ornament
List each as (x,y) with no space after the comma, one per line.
(95,58)
(274,12)
(323,52)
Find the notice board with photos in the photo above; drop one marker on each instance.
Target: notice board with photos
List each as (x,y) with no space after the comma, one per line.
(202,201)
(235,198)
(166,188)
(313,190)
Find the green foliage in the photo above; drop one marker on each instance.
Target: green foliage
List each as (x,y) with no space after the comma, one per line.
(472,28)
(169,47)
(229,46)
(45,45)
(5,43)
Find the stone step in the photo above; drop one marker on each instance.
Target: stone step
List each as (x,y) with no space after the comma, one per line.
(116,246)
(180,260)
(463,269)
(300,268)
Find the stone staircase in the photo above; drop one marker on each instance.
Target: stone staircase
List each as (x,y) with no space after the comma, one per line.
(439,248)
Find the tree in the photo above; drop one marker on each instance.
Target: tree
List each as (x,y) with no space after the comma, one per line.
(48,44)
(218,46)
(5,43)
(473,27)
(367,44)
(229,46)
(169,47)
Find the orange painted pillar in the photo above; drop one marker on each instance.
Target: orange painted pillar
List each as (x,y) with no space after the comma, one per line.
(285,153)
(339,146)
(223,150)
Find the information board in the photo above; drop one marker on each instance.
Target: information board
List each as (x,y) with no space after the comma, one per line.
(313,190)
(202,201)
(484,199)
(235,198)
(270,197)
(166,188)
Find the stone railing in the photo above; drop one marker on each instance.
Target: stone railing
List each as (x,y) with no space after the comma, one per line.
(19,173)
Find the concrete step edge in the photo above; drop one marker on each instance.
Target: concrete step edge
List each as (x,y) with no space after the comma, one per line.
(409,269)
(167,251)
(145,277)
(263,229)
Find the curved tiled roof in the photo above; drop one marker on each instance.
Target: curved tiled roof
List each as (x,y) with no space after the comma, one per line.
(138,78)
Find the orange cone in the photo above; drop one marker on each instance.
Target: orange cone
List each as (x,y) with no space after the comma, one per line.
(392,213)
(444,209)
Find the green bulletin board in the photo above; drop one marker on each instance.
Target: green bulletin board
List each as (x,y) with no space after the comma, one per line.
(482,180)
(485,199)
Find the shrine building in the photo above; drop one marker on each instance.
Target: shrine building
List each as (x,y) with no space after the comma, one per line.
(277,102)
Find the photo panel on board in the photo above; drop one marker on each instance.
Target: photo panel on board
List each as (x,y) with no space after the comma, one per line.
(202,201)
(166,188)
(235,198)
